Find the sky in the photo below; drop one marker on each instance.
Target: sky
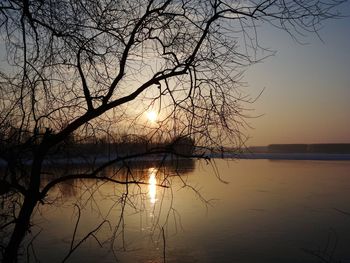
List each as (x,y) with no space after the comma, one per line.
(306,96)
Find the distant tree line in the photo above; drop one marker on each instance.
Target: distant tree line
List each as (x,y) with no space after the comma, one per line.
(341,148)
(120,145)
(129,145)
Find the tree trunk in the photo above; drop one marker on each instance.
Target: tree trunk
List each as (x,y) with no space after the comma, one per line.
(21,227)
(30,201)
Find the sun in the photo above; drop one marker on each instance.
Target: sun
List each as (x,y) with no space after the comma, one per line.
(152,116)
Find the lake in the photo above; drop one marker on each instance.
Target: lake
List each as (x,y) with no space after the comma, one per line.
(224,211)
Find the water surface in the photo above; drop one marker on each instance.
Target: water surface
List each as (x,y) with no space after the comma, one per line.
(257,211)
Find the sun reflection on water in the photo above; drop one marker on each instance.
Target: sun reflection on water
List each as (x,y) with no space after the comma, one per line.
(152,188)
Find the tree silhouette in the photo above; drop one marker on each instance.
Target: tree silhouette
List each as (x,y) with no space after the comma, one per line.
(93,68)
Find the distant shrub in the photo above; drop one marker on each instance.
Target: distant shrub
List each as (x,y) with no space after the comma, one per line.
(183,145)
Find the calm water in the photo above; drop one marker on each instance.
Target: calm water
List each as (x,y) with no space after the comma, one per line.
(269,211)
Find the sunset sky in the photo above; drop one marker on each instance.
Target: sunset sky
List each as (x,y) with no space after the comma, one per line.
(307,87)
(306,96)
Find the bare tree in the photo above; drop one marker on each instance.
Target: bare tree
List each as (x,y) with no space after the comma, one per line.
(93,68)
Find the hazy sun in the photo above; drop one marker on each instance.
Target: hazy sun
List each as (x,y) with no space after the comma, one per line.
(152,116)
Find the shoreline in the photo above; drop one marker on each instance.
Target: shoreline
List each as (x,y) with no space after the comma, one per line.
(240,156)
(292,156)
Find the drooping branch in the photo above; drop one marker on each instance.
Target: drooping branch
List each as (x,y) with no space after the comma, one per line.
(84,83)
